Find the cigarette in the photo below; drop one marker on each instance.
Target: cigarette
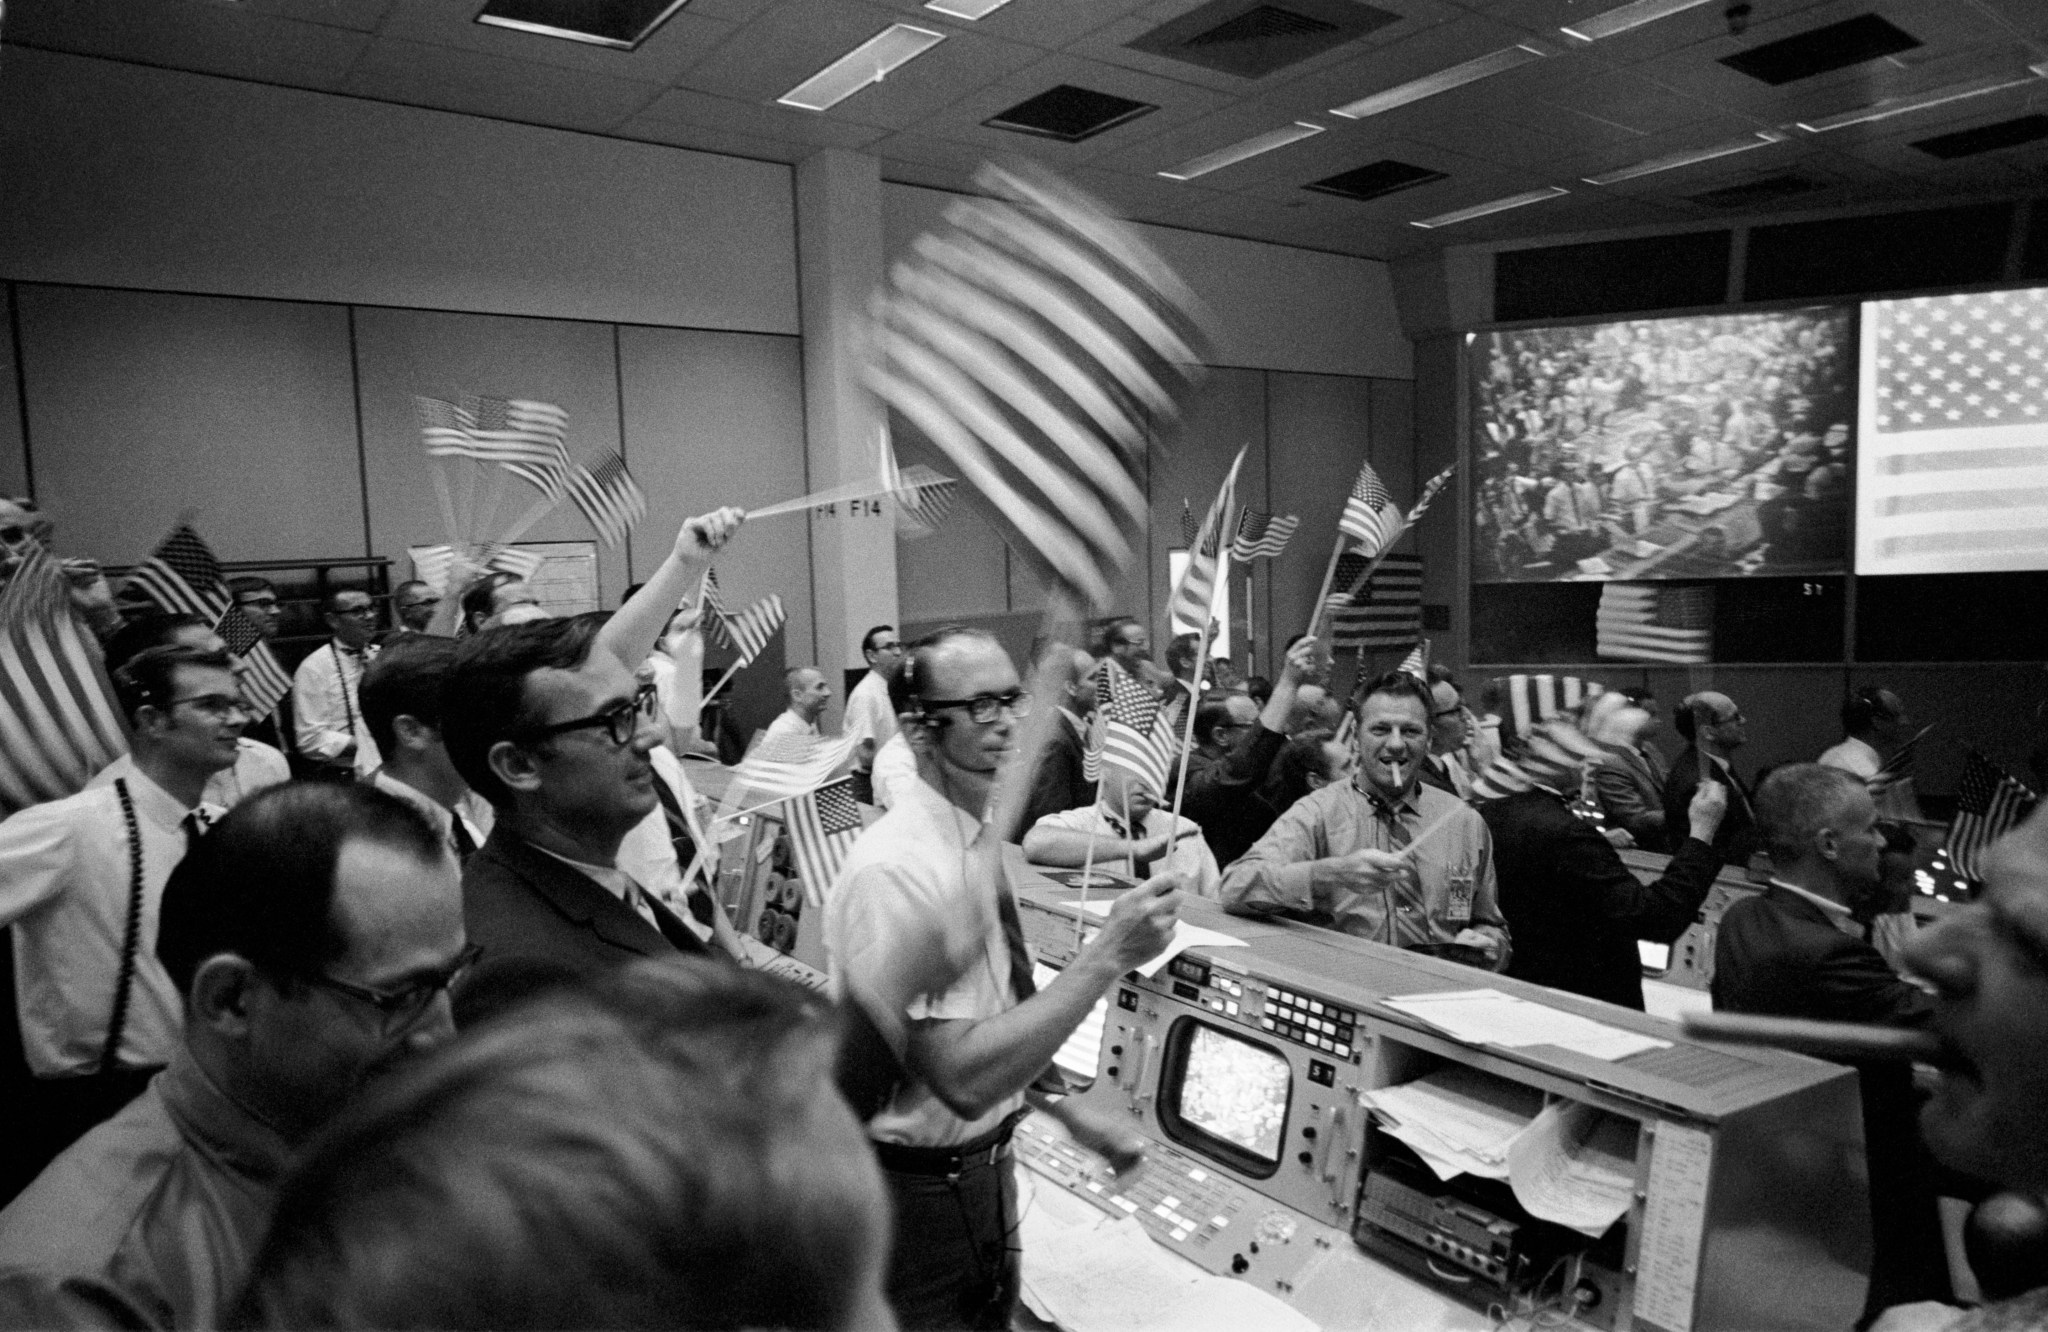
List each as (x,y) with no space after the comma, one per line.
(1843,1042)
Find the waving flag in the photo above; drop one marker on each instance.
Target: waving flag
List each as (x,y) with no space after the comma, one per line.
(609,497)
(1195,595)
(751,629)
(823,826)
(1989,804)
(1386,613)
(529,439)
(923,497)
(1261,535)
(1370,517)
(784,766)
(1139,734)
(1416,663)
(184,577)
(59,723)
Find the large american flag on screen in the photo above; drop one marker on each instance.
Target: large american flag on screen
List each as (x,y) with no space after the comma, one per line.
(1953,474)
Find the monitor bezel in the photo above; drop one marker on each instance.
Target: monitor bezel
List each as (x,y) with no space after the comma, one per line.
(1180,1038)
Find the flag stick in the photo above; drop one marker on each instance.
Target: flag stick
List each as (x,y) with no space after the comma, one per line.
(862,489)
(1087,872)
(447,500)
(540,509)
(1315,615)
(730,671)
(467,509)
(1194,683)
(496,497)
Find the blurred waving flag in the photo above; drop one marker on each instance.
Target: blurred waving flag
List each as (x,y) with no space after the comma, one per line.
(1370,517)
(1655,622)
(1195,595)
(530,439)
(1261,535)
(183,576)
(1138,735)
(1041,345)
(923,497)
(59,723)
(751,629)
(609,497)
(823,826)
(1989,804)
(781,766)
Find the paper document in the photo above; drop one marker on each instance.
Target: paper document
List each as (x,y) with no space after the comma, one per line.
(1458,1120)
(1575,1166)
(1488,1017)
(1081,1053)
(1112,1278)
(1185,936)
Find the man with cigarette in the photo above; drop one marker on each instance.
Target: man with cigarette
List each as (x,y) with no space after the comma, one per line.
(1381,856)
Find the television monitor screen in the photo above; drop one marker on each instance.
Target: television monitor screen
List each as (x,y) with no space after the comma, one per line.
(1227,1095)
(1709,446)
(1952,450)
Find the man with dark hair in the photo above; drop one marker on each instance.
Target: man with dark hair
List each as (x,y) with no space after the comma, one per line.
(1061,781)
(256,765)
(401,696)
(1629,779)
(413,604)
(924,940)
(547,722)
(498,598)
(80,879)
(1797,950)
(311,937)
(661,1149)
(807,692)
(868,714)
(1713,728)
(1444,765)
(331,734)
(256,597)
(1225,775)
(1347,856)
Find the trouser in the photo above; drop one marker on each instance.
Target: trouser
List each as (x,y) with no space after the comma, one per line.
(956,1260)
(53,1113)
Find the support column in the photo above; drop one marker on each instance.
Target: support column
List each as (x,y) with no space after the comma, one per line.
(839,265)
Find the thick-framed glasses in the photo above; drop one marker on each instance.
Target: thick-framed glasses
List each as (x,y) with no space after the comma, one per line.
(399,1009)
(217,706)
(984,708)
(621,721)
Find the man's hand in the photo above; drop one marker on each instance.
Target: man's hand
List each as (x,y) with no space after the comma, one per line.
(1140,925)
(1619,838)
(1158,844)
(1709,804)
(699,538)
(1122,1147)
(1491,940)
(1366,870)
(1300,661)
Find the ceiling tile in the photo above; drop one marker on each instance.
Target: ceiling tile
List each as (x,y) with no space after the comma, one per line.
(362,15)
(182,34)
(1051,24)
(1108,44)
(466,81)
(1177,103)
(685,38)
(804,129)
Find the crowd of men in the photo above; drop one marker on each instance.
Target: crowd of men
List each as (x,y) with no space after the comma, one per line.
(430,1024)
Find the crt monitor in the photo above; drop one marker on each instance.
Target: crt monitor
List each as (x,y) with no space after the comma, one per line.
(1225,1096)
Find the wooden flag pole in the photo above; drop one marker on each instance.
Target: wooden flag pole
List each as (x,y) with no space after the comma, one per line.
(1194,684)
(534,514)
(446,499)
(1315,615)
(730,671)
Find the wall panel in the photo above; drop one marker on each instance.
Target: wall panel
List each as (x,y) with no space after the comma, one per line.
(1230,414)
(14,466)
(1793,712)
(145,406)
(1321,428)
(401,353)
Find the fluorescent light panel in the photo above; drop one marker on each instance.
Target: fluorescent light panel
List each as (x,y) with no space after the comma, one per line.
(1623,17)
(978,9)
(866,64)
(1899,106)
(1238,152)
(1429,85)
(1493,206)
(1671,161)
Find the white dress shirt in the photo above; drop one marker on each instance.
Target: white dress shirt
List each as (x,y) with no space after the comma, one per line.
(325,702)
(1190,856)
(477,816)
(648,852)
(1853,756)
(868,712)
(788,723)
(64,887)
(257,765)
(895,769)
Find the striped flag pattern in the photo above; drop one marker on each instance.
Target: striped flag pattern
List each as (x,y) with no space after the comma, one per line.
(521,564)
(1195,594)
(263,677)
(783,766)
(1261,535)
(59,723)
(1556,755)
(1989,804)
(1416,663)
(1387,614)
(751,629)
(183,576)
(1655,622)
(823,826)
(530,439)
(1370,517)
(923,499)
(608,496)
(1537,698)
(1041,346)
(1139,734)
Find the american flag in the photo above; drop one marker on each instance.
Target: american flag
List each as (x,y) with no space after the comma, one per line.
(923,499)
(1953,450)
(823,826)
(1188,528)
(1138,734)
(1370,515)
(1387,614)
(1537,698)
(184,577)
(1261,535)
(781,766)
(1041,345)
(712,622)
(1989,804)
(1416,663)
(521,564)
(1195,595)
(1655,622)
(59,723)
(530,439)
(751,629)
(609,497)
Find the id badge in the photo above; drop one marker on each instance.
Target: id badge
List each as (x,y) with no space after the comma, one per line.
(1458,901)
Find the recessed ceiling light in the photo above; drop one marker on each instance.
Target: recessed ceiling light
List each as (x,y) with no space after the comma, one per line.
(979,9)
(1238,152)
(1899,106)
(1672,161)
(865,65)
(1492,206)
(1429,85)
(618,24)
(1624,17)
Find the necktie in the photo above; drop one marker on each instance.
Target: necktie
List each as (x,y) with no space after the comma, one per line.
(1390,820)
(195,823)
(1021,982)
(672,929)
(459,838)
(686,848)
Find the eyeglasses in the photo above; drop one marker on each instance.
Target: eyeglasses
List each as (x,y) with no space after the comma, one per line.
(262,603)
(984,708)
(354,610)
(399,1009)
(621,721)
(217,706)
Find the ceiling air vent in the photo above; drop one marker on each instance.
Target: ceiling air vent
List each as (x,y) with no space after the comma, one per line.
(1756,193)
(1836,46)
(1985,138)
(1375,180)
(1069,114)
(1252,40)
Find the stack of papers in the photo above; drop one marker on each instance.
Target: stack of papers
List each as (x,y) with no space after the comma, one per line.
(1458,1120)
(1488,1017)
(1112,1278)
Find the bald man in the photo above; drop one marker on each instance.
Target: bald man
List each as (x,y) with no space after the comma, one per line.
(1713,728)
(808,694)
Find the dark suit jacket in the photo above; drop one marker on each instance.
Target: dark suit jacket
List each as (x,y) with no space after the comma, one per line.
(1778,954)
(1574,911)
(541,922)
(1222,794)
(1058,783)
(1632,796)
(1737,839)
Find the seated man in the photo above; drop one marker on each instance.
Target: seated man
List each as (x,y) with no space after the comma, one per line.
(312,936)
(1060,782)
(1798,950)
(660,1150)
(1629,781)
(807,692)
(1225,775)
(1348,855)
(1126,831)
(1713,728)
(1444,765)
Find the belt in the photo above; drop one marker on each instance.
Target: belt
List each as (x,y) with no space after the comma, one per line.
(948,1162)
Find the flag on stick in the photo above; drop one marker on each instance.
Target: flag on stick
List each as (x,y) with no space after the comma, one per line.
(1188,530)
(923,497)
(1370,517)
(1139,733)
(1261,535)
(59,723)
(183,576)
(1387,613)
(823,825)
(1989,804)
(609,497)
(1416,663)
(529,439)
(1195,594)
(751,629)
(782,766)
